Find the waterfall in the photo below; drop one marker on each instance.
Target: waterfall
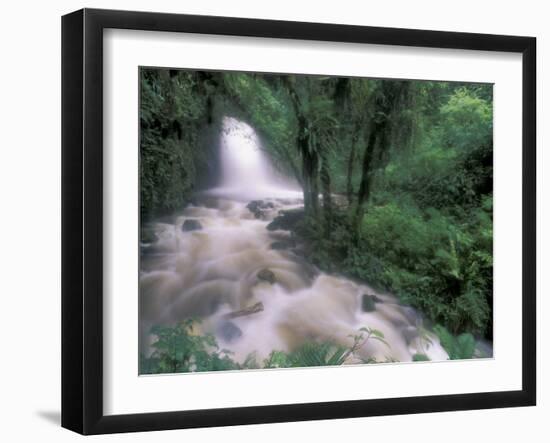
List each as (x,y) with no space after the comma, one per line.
(247,172)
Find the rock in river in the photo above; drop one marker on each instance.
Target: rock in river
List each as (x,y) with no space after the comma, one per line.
(287,219)
(266,275)
(191,225)
(368,302)
(259,207)
(229,331)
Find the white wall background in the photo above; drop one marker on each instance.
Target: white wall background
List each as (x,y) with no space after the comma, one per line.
(30,218)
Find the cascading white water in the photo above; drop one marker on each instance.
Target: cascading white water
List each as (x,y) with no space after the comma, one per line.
(243,164)
(246,171)
(214,271)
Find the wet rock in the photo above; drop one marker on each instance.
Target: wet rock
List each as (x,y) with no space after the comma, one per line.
(249,310)
(259,207)
(287,219)
(230,331)
(368,302)
(191,225)
(266,275)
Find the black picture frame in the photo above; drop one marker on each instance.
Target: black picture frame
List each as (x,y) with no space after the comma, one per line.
(82,220)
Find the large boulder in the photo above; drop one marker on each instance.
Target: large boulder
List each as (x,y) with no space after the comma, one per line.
(229,331)
(368,302)
(287,219)
(266,275)
(191,225)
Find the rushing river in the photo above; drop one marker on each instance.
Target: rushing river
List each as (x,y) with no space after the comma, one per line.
(217,261)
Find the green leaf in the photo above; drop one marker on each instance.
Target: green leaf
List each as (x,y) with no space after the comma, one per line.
(338,357)
(377,333)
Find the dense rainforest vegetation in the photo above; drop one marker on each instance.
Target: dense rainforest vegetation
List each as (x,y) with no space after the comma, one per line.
(396,175)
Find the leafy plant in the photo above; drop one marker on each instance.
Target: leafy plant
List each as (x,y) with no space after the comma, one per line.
(458,347)
(178,349)
(324,353)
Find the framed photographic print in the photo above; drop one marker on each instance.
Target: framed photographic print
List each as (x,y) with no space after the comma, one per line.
(269,221)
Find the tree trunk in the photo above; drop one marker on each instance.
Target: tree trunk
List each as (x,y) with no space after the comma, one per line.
(310,161)
(326,191)
(314,191)
(377,144)
(376,138)
(351,163)
(306,176)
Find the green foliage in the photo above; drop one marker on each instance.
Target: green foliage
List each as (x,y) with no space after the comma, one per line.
(452,168)
(426,234)
(442,267)
(458,347)
(172,113)
(309,354)
(427,258)
(178,349)
(324,353)
(326,251)
(467,121)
